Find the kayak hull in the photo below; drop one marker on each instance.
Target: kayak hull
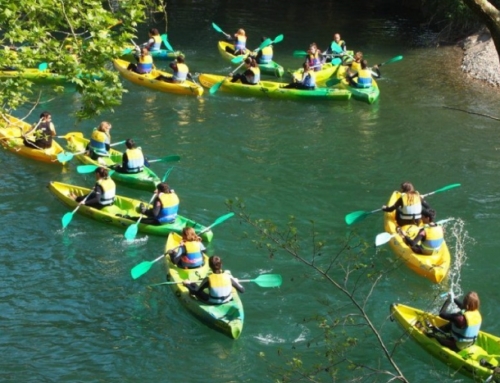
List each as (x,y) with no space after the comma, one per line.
(10,139)
(39,76)
(467,361)
(227,318)
(150,80)
(272,89)
(162,54)
(124,207)
(144,180)
(272,68)
(433,267)
(369,95)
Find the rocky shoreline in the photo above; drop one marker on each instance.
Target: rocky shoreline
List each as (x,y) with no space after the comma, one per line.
(480,59)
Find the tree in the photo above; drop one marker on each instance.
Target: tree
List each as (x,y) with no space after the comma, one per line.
(77,38)
(489,14)
(354,277)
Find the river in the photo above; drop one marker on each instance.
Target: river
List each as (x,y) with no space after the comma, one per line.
(69,310)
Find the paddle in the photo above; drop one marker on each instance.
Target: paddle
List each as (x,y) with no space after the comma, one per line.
(132,230)
(143,267)
(216,86)
(43,67)
(68,156)
(216,27)
(84,169)
(264,280)
(240,58)
(385,237)
(167,44)
(72,134)
(359,215)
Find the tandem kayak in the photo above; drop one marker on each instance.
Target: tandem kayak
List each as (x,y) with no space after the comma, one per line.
(162,54)
(11,130)
(369,95)
(272,68)
(327,71)
(227,318)
(151,80)
(478,361)
(434,267)
(39,76)
(118,213)
(273,89)
(144,180)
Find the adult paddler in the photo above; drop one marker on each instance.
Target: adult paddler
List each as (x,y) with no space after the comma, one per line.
(42,132)
(100,141)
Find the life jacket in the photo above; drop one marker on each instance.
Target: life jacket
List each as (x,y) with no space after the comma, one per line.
(434,238)
(43,135)
(341,44)
(98,141)
(193,257)
(240,43)
(267,55)
(220,288)
(181,73)
(135,163)
(309,79)
(256,75)
(355,66)
(364,78)
(314,61)
(169,207)
(471,331)
(410,211)
(156,46)
(108,191)
(145,64)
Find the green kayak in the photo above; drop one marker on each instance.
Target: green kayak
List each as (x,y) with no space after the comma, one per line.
(272,68)
(162,54)
(144,180)
(118,214)
(272,89)
(227,318)
(369,95)
(38,76)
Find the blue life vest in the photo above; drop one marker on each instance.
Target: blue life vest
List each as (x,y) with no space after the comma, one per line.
(364,79)
(98,141)
(309,79)
(267,55)
(434,238)
(469,333)
(169,207)
(193,256)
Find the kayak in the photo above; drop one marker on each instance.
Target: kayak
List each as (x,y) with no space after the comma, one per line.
(144,180)
(162,54)
(150,80)
(327,71)
(123,207)
(272,68)
(227,318)
(38,76)
(273,89)
(433,267)
(477,361)
(11,139)
(369,95)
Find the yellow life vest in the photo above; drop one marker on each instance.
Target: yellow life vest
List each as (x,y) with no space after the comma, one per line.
(412,208)
(108,191)
(220,290)
(181,73)
(169,207)
(471,331)
(434,238)
(135,162)
(98,141)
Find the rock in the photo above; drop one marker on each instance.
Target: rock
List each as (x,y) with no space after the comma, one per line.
(480,59)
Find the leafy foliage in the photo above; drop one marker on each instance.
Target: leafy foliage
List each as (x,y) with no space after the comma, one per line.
(77,38)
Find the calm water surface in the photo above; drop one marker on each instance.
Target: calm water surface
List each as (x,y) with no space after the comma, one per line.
(69,311)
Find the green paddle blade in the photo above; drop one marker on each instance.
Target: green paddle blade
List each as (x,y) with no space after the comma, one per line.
(264,44)
(393,60)
(172,158)
(43,66)
(278,39)
(84,169)
(452,186)
(221,219)
(267,280)
(141,269)
(214,88)
(238,59)
(167,44)
(336,47)
(65,157)
(66,219)
(299,53)
(131,232)
(216,27)
(355,216)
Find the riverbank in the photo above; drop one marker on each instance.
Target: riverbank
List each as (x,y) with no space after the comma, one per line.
(480,59)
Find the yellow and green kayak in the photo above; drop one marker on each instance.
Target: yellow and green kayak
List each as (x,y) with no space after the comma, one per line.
(227,318)
(11,131)
(272,68)
(479,361)
(118,214)
(144,180)
(434,267)
(369,95)
(150,80)
(38,76)
(162,54)
(272,89)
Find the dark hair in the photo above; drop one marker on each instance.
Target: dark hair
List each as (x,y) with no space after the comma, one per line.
(429,213)
(215,263)
(364,64)
(407,187)
(163,187)
(180,59)
(102,172)
(44,114)
(154,31)
(471,301)
(130,143)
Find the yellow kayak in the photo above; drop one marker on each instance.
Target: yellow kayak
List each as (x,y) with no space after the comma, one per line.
(150,80)
(11,130)
(433,267)
(479,361)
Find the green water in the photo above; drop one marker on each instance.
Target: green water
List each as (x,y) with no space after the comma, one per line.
(70,312)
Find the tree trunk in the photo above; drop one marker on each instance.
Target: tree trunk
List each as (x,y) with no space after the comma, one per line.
(490,16)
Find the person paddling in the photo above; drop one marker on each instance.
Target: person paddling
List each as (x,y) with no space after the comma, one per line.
(240,42)
(429,239)
(133,160)
(154,42)
(144,62)
(307,82)
(251,76)
(364,76)
(104,191)
(42,132)
(189,255)
(409,206)
(100,141)
(165,206)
